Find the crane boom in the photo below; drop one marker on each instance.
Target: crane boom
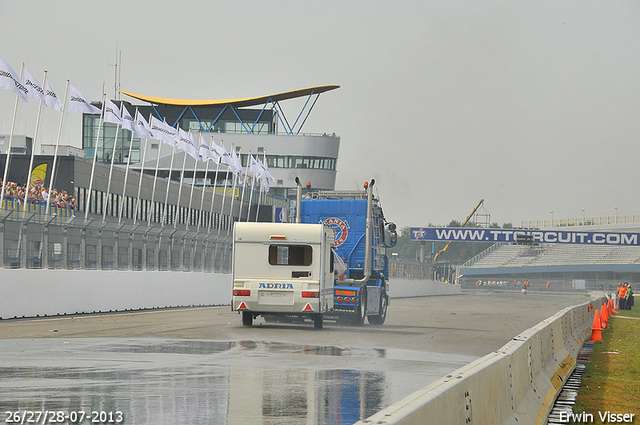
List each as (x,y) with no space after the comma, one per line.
(442,251)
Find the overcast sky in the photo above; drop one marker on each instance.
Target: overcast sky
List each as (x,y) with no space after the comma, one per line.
(532,105)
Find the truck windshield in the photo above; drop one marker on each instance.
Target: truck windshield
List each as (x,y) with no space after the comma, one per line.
(290,255)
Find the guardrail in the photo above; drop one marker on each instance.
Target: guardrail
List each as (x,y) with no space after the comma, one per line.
(29,240)
(581,221)
(515,385)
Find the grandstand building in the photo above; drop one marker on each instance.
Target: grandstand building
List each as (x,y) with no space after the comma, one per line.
(126,219)
(256,126)
(567,265)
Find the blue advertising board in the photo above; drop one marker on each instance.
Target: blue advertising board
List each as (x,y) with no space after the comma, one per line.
(281,215)
(511,236)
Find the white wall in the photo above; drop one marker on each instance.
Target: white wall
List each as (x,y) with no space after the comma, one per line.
(32,293)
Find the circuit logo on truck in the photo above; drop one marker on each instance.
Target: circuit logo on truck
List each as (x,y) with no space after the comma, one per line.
(340,230)
(275,285)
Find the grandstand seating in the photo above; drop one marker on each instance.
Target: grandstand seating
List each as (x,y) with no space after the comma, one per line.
(509,255)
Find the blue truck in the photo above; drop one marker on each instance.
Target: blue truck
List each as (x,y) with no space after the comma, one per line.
(330,264)
(362,234)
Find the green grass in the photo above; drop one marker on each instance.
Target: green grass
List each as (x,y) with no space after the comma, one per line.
(612,377)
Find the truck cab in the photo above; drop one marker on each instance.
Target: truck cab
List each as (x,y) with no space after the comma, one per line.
(361,237)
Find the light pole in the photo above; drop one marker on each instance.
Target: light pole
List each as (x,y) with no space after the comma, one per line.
(551,218)
(616,215)
(583,216)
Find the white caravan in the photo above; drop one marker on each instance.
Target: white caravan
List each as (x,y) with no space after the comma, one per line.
(283,269)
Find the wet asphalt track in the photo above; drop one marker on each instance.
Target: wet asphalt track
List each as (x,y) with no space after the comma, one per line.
(200,365)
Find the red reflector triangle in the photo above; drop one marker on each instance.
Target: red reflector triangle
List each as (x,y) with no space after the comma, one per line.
(307,307)
(242,306)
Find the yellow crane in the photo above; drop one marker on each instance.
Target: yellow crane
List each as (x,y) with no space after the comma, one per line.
(442,251)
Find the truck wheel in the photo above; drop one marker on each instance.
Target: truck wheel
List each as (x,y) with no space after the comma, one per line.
(318,321)
(247,318)
(362,308)
(380,318)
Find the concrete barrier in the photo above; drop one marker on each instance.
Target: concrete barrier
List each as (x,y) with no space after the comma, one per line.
(32,293)
(37,292)
(514,385)
(403,288)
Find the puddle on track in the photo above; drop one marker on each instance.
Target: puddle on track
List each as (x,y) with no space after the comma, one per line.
(157,381)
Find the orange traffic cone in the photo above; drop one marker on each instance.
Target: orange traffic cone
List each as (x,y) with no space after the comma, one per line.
(604,316)
(612,307)
(596,329)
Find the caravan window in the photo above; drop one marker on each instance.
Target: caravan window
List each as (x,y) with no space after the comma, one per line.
(290,255)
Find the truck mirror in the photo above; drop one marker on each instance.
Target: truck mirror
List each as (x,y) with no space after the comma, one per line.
(393,238)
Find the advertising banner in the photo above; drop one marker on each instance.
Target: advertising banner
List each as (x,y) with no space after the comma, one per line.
(512,236)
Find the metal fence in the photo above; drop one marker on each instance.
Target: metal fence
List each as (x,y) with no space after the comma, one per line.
(33,240)
(30,239)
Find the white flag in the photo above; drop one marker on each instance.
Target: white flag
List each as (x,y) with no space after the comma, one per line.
(9,80)
(111,112)
(162,131)
(128,123)
(264,185)
(207,153)
(142,127)
(255,167)
(220,150)
(224,155)
(237,165)
(267,174)
(79,103)
(35,89)
(186,143)
(51,100)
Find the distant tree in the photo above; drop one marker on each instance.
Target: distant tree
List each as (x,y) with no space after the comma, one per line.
(457,253)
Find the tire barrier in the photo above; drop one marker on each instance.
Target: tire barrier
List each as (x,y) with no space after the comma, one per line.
(517,384)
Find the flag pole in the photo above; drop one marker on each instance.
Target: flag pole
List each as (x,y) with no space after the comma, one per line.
(8,158)
(233,191)
(246,173)
(253,182)
(155,179)
(55,153)
(144,152)
(95,157)
(206,171)
(213,195)
(33,145)
(126,173)
(166,198)
(224,194)
(193,183)
(176,216)
(264,159)
(113,155)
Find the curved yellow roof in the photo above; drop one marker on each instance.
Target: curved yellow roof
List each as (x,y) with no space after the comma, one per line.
(249,101)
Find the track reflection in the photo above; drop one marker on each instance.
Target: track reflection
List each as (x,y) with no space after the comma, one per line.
(155,381)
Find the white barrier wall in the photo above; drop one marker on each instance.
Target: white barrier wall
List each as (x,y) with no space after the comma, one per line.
(404,288)
(30,293)
(36,292)
(517,384)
